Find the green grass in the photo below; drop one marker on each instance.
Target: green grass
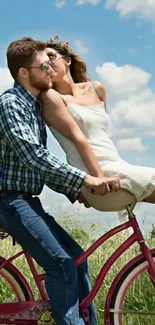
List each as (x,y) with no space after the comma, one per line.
(84,238)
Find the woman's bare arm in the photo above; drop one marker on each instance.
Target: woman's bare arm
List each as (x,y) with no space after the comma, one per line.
(56,114)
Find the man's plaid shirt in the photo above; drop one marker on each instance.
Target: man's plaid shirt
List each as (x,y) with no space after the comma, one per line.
(25,162)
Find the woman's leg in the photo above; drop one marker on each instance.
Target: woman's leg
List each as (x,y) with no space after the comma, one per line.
(150,198)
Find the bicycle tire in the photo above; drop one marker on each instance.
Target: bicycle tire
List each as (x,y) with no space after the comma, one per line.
(16,284)
(118,299)
(13,283)
(8,274)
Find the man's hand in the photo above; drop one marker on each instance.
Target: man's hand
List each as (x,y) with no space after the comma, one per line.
(81,199)
(102,186)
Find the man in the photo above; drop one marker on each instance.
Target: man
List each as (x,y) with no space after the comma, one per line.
(25,166)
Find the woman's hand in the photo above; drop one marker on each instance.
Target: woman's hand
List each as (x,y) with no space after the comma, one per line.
(102,186)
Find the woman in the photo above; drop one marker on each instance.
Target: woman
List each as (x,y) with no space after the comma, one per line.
(75,112)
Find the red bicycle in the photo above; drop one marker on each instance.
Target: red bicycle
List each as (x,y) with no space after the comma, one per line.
(25,309)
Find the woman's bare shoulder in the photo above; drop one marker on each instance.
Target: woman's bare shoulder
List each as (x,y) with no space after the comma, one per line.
(99,89)
(51,95)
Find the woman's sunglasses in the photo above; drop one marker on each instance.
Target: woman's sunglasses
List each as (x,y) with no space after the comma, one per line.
(55,57)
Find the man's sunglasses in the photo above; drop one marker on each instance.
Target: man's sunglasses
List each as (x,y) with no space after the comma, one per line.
(44,67)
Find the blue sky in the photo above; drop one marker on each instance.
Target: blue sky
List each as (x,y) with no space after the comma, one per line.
(117,40)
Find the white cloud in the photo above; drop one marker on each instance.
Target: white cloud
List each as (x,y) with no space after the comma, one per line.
(137,110)
(6,80)
(132,144)
(149,133)
(54,203)
(123,80)
(148,47)
(131,102)
(133,52)
(81,49)
(92,2)
(60,3)
(144,8)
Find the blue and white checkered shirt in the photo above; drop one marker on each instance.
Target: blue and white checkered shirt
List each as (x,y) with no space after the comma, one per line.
(25,162)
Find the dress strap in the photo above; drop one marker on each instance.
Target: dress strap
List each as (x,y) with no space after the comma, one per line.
(93,89)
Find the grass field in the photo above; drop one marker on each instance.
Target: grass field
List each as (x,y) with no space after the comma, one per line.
(84,238)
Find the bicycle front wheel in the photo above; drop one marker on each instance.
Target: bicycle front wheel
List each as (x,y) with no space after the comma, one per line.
(133,299)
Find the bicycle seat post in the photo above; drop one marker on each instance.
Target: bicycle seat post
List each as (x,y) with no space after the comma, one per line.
(130,212)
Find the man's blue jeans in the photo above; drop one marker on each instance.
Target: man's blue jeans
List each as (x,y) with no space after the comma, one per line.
(23,217)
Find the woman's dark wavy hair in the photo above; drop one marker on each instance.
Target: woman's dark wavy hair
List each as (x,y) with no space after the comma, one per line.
(78,68)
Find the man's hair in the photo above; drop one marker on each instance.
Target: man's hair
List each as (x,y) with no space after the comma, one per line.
(21,53)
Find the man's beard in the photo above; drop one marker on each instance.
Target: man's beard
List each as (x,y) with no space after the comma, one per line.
(40,84)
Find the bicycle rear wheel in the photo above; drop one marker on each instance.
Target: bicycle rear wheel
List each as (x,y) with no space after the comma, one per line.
(12,289)
(133,299)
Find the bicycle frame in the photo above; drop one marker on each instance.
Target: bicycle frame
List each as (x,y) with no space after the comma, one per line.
(136,236)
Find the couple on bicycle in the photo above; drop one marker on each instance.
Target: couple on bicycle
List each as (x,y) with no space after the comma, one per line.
(51,86)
